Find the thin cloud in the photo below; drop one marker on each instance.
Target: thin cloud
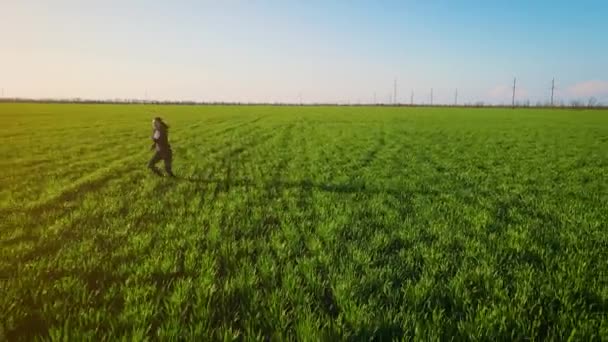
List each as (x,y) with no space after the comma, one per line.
(504,93)
(589,89)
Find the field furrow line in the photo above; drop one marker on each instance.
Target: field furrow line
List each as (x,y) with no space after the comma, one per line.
(90,182)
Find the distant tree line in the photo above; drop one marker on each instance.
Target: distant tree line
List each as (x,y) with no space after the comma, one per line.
(591,103)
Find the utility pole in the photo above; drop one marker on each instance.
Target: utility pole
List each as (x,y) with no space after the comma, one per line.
(300,96)
(412,98)
(431,96)
(552,89)
(375,102)
(395,92)
(456,97)
(513,98)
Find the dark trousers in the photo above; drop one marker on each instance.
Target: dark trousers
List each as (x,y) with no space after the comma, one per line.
(166,156)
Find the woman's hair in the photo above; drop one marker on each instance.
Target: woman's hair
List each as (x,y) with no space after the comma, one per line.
(161,122)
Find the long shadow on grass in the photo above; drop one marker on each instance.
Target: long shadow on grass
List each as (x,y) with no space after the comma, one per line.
(306,184)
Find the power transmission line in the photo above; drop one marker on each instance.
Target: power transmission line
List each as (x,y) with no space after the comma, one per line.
(552,89)
(513,98)
(395,92)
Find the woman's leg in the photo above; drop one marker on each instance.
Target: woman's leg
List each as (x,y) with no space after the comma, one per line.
(168,159)
(152,163)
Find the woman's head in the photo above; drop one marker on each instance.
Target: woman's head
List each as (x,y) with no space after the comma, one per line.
(158,123)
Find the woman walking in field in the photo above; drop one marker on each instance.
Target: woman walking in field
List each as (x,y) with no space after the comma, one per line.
(160,136)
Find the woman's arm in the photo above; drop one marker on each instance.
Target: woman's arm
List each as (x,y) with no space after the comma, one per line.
(155,137)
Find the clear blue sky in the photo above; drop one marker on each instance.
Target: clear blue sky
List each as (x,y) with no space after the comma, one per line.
(324,50)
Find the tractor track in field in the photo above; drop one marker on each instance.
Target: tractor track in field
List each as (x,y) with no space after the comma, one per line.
(371,154)
(89,183)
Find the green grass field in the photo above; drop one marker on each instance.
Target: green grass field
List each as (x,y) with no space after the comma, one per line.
(304,223)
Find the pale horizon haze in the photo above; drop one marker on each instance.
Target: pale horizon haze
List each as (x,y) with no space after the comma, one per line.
(313,51)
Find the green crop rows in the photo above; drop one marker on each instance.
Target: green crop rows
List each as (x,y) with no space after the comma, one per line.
(308,223)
